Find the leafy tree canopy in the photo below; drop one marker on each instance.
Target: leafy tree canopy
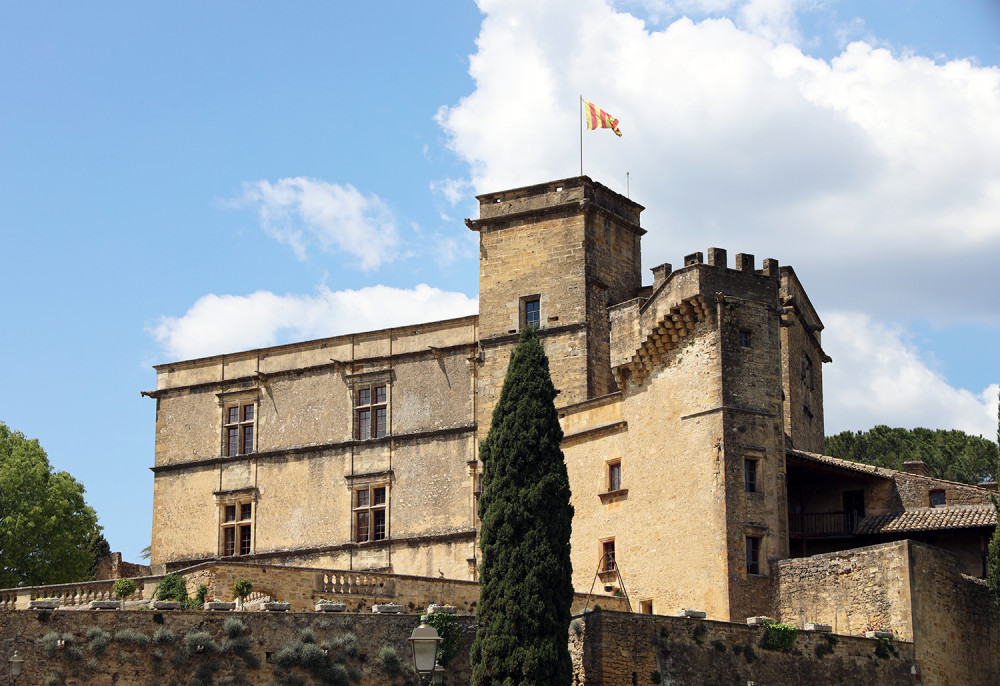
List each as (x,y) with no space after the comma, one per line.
(48,533)
(525,584)
(952,455)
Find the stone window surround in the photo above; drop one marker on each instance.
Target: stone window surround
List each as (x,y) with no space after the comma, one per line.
(369,487)
(238,398)
(361,380)
(605,547)
(756,455)
(236,498)
(760,534)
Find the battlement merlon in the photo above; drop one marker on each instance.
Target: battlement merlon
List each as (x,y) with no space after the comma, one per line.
(553,196)
(634,320)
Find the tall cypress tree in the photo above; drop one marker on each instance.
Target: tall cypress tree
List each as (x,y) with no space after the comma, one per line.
(526,586)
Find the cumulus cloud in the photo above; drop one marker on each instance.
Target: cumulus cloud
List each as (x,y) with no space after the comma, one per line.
(865,169)
(223,323)
(879,377)
(302,212)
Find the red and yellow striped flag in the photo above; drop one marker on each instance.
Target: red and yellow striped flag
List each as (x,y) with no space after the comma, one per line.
(599,119)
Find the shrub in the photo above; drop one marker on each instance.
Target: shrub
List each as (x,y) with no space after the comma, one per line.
(163,635)
(132,637)
(242,588)
(50,644)
(233,627)
(655,677)
(97,640)
(171,587)
(200,638)
(388,660)
(778,636)
(449,632)
(124,588)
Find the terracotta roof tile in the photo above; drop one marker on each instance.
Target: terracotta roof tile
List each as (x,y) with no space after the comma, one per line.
(929,519)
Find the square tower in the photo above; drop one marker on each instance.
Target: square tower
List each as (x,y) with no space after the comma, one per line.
(555,256)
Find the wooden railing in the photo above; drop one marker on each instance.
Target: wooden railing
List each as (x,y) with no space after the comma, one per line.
(822,524)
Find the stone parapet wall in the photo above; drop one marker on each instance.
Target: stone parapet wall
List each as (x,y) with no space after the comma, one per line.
(620,649)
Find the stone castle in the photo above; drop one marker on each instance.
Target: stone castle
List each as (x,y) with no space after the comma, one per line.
(693,416)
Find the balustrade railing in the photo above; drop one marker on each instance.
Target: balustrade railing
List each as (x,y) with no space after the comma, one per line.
(354,583)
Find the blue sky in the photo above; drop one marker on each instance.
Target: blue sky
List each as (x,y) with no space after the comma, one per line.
(183,179)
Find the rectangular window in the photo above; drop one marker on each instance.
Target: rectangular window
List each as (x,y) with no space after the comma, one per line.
(744,339)
(608,563)
(750,475)
(753,555)
(369,513)
(614,476)
(532,312)
(938,498)
(646,607)
(370,412)
(237,529)
(238,429)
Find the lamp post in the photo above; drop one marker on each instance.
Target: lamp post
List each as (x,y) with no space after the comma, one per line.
(423,647)
(15,667)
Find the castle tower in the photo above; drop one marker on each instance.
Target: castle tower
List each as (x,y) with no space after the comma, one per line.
(554,255)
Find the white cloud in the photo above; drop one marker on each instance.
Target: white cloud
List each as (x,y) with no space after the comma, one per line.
(302,212)
(868,169)
(878,377)
(223,323)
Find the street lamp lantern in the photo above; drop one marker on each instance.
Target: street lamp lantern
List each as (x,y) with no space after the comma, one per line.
(423,647)
(438,675)
(15,665)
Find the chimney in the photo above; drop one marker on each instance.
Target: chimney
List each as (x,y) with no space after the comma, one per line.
(916,467)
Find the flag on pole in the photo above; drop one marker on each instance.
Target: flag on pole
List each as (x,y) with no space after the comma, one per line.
(599,119)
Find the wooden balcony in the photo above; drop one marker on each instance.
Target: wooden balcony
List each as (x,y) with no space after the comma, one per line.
(822,524)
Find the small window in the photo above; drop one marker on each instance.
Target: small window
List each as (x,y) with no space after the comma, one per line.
(646,607)
(938,499)
(608,563)
(753,555)
(369,513)
(532,312)
(750,475)
(370,412)
(614,476)
(744,339)
(237,430)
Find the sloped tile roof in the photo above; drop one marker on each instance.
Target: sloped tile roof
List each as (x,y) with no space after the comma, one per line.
(837,463)
(929,519)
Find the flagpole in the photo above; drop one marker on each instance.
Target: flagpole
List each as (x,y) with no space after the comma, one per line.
(581,135)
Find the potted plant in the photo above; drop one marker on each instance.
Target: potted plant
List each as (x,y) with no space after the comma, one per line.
(219,605)
(441,607)
(44,603)
(818,626)
(170,592)
(241,589)
(277,606)
(325,605)
(387,608)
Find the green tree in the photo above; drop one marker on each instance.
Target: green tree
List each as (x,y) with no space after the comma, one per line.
(993,550)
(525,583)
(47,530)
(952,455)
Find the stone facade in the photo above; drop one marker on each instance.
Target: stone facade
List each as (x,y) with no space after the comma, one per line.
(692,410)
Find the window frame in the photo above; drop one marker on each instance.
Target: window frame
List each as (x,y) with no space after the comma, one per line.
(370,510)
(236,532)
(608,564)
(931,495)
(751,468)
(613,472)
(752,554)
(245,428)
(531,304)
(744,339)
(370,410)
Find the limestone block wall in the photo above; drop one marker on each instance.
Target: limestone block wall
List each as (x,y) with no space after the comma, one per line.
(619,649)
(853,591)
(131,656)
(802,365)
(671,484)
(914,491)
